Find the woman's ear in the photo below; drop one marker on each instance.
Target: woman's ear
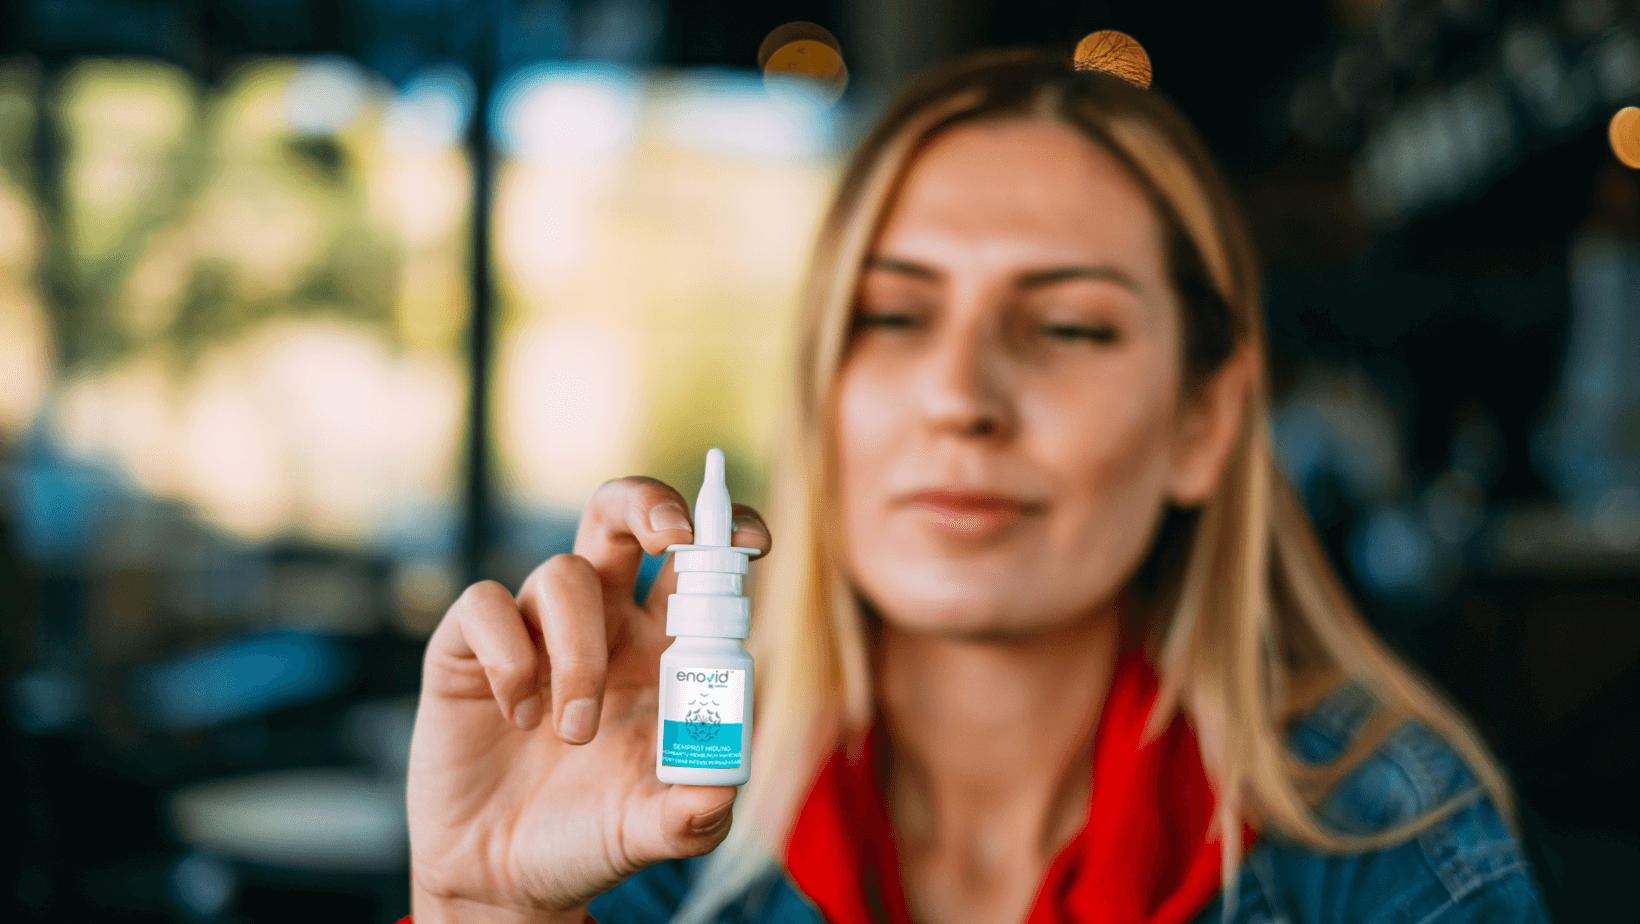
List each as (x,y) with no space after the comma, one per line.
(1208,423)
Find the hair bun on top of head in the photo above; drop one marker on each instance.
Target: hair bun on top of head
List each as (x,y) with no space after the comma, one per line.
(1115,53)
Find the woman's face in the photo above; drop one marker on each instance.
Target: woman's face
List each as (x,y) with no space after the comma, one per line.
(1007,415)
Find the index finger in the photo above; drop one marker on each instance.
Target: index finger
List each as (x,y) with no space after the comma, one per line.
(748,531)
(623,519)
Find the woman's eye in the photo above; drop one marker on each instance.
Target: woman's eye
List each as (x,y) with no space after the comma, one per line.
(1096,333)
(893,320)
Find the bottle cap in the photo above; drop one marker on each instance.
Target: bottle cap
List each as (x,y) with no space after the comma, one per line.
(709,600)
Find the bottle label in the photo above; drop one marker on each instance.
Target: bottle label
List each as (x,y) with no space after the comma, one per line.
(704,712)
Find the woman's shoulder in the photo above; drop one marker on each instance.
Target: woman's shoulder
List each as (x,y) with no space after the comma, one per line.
(1467,866)
(1369,768)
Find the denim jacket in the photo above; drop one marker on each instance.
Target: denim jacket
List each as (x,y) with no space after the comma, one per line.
(1465,868)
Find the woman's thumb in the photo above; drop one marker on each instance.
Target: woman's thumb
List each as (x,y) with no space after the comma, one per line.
(687,822)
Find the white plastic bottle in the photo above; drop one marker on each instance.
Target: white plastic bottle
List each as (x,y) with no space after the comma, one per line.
(704,732)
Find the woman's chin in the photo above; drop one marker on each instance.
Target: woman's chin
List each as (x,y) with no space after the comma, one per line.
(979,605)
(972,616)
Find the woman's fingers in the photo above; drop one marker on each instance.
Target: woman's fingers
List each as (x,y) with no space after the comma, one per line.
(684,821)
(565,599)
(573,608)
(750,531)
(625,518)
(489,627)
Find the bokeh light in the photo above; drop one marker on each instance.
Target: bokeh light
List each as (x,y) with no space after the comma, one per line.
(781,36)
(1624,132)
(431,112)
(1116,53)
(802,61)
(567,112)
(128,121)
(325,94)
(631,280)
(282,259)
(25,358)
(569,393)
(724,113)
(26,354)
(323,819)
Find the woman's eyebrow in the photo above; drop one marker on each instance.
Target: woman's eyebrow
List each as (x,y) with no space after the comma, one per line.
(1035,278)
(903,267)
(1029,279)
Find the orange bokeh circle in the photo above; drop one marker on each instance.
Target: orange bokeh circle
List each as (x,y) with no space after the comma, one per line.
(802,61)
(1116,53)
(1624,133)
(782,36)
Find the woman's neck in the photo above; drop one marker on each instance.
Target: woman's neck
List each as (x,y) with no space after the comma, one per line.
(988,756)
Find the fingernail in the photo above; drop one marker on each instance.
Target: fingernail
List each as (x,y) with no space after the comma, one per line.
(750,525)
(578,720)
(709,822)
(527,714)
(668,516)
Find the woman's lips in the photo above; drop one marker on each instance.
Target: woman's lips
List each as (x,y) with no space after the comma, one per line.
(969,512)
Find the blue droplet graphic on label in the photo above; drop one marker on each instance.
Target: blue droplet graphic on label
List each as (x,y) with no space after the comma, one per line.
(703,720)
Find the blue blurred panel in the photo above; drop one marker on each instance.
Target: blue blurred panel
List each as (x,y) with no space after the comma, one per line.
(59,508)
(241,679)
(1590,445)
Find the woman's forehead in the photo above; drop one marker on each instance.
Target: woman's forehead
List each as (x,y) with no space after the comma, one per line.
(1023,190)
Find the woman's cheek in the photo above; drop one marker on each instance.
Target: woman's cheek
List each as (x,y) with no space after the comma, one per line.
(866,417)
(1110,447)
(1101,431)
(865,427)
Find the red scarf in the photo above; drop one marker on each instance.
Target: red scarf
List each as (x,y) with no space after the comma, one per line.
(1142,856)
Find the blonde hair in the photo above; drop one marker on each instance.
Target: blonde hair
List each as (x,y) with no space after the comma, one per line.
(1246,622)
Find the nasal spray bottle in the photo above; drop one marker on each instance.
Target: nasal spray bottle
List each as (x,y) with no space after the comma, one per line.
(705,728)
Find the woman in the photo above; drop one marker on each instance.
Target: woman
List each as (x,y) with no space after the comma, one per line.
(1049,638)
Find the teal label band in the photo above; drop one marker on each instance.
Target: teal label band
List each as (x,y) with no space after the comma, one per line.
(707,745)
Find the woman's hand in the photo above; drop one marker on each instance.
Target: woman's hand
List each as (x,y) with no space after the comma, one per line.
(532,782)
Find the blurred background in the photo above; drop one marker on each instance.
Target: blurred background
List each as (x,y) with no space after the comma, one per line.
(313,312)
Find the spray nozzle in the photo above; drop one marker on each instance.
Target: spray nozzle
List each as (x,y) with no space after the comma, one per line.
(709,600)
(714,518)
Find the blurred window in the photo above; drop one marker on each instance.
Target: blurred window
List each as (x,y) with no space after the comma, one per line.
(651,233)
(259,292)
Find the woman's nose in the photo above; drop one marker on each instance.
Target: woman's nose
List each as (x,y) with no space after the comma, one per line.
(963,389)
